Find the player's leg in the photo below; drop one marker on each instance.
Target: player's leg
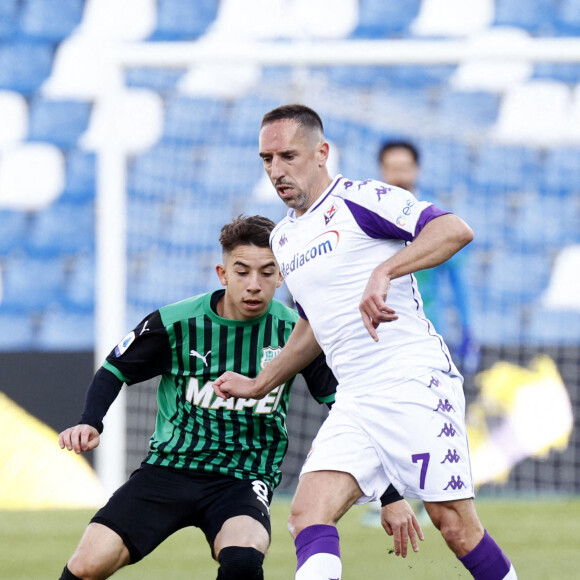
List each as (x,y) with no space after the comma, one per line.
(100,553)
(236,523)
(240,547)
(321,499)
(464,534)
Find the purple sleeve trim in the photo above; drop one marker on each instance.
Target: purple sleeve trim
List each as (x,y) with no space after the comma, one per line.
(375,226)
(427,215)
(301,311)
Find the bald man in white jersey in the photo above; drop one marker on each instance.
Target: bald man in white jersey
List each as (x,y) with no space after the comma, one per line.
(348,250)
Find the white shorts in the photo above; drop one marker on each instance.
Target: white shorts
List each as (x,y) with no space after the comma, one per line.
(412,435)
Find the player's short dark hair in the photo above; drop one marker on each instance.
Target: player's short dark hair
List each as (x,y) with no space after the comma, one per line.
(246,231)
(303,115)
(388,146)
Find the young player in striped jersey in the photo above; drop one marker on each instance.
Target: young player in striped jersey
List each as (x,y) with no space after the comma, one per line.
(348,249)
(212,464)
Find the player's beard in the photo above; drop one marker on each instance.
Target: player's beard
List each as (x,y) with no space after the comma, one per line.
(299,201)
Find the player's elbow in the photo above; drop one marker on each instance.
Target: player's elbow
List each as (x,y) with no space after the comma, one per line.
(460,233)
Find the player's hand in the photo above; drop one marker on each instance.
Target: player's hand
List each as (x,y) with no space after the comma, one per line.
(232,384)
(79,438)
(373,307)
(400,521)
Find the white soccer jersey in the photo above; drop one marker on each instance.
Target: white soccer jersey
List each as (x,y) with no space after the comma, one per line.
(327,256)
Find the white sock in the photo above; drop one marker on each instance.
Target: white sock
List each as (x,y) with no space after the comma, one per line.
(320,567)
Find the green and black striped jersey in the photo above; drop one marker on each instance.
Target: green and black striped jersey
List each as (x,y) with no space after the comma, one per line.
(189,345)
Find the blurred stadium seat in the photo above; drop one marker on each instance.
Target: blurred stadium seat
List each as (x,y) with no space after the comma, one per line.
(31,283)
(568,17)
(13,230)
(58,122)
(183,20)
(561,168)
(379,19)
(16,331)
(80,176)
(62,229)
(25,65)
(51,20)
(66,331)
(191,121)
(79,285)
(8,19)
(467,111)
(537,17)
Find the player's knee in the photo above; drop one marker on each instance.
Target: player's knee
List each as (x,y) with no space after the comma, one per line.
(86,568)
(237,563)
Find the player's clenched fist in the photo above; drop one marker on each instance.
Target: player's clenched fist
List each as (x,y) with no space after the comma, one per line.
(79,438)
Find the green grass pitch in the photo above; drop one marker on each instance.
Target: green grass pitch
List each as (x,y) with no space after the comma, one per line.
(541,537)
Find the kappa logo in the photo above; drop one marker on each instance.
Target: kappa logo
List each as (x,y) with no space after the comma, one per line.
(283,241)
(201,356)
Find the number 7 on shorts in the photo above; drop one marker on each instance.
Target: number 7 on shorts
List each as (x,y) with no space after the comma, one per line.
(424,458)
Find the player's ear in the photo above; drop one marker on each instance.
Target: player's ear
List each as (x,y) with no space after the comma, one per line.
(222,274)
(280,280)
(323,149)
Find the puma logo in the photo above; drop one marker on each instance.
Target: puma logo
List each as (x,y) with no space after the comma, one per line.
(202,357)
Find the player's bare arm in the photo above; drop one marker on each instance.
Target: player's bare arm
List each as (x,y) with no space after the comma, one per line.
(400,521)
(438,241)
(79,438)
(300,350)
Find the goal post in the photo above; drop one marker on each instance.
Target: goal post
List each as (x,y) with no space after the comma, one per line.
(113,267)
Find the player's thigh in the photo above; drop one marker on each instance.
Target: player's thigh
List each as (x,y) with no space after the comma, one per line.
(239,515)
(100,553)
(322,497)
(420,435)
(342,446)
(242,531)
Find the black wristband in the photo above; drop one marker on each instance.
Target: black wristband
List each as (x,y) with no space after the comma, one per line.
(390,496)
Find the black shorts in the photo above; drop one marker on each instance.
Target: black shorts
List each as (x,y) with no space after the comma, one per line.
(157,501)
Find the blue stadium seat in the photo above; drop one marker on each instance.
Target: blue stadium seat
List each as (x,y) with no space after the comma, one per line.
(548,220)
(31,284)
(16,331)
(196,227)
(64,330)
(517,276)
(445,164)
(565,72)
(561,168)
(80,181)
(193,121)
(58,122)
(465,111)
(245,119)
(553,327)
(79,286)
(506,166)
(25,66)
(568,18)
(62,229)
(380,19)
(160,80)
(165,170)
(183,19)
(8,19)
(498,325)
(244,169)
(51,20)
(537,17)
(148,221)
(161,279)
(13,230)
